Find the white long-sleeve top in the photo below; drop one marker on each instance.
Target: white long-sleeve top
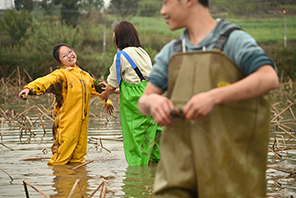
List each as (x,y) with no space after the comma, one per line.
(127,73)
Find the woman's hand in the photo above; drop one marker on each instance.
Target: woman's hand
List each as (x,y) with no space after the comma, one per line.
(104,85)
(108,106)
(24,94)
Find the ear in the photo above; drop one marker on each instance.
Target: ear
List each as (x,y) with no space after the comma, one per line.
(190,2)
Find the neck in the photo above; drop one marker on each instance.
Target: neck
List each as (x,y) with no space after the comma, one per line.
(199,28)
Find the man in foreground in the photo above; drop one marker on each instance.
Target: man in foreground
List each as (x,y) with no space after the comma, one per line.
(216,110)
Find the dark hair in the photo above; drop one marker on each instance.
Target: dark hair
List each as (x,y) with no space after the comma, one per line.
(205,3)
(56,51)
(126,35)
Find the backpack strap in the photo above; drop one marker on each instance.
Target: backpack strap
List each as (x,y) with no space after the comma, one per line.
(130,60)
(220,43)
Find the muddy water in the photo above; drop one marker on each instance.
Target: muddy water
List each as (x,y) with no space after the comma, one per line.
(124,181)
(57,181)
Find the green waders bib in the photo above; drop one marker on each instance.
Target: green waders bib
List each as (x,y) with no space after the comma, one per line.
(139,131)
(224,155)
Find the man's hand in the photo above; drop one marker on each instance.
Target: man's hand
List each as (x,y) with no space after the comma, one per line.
(154,104)
(198,106)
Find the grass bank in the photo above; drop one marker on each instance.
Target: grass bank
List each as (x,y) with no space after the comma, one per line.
(154,34)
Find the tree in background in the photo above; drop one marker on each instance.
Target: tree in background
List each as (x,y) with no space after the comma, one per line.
(16,24)
(149,8)
(18,4)
(123,8)
(47,34)
(88,6)
(48,6)
(24,4)
(69,12)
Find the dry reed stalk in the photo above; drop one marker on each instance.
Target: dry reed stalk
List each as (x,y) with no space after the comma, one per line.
(104,190)
(95,190)
(276,154)
(7,174)
(21,135)
(289,134)
(45,114)
(279,169)
(27,110)
(273,119)
(292,113)
(35,159)
(90,113)
(23,127)
(283,140)
(41,123)
(293,123)
(73,188)
(7,79)
(82,164)
(34,106)
(28,119)
(103,185)
(19,76)
(99,143)
(28,75)
(6,146)
(26,189)
(285,149)
(110,139)
(284,126)
(275,196)
(275,109)
(103,146)
(26,182)
(2,122)
(44,109)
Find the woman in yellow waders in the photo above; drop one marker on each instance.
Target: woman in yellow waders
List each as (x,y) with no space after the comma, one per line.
(129,70)
(72,88)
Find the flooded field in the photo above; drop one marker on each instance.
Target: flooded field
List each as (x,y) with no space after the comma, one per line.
(23,157)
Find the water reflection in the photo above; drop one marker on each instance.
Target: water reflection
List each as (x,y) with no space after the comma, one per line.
(65,178)
(139,181)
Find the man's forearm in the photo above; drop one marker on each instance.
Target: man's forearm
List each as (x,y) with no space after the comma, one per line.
(143,105)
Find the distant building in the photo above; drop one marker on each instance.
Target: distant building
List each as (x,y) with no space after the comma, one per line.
(6,4)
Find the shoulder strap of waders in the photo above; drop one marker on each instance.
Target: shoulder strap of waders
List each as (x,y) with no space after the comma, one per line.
(219,43)
(178,46)
(224,37)
(128,58)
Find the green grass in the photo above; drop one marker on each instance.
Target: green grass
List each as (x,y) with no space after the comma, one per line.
(264,29)
(268,29)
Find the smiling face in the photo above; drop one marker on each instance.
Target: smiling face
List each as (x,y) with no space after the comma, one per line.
(174,12)
(67,56)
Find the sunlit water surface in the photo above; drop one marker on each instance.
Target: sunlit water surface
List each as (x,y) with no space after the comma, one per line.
(123,181)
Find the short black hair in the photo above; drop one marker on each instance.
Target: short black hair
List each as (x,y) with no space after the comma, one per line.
(126,35)
(56,51)
(205,3)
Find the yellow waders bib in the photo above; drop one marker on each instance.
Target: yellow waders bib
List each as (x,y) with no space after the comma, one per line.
(223,155)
